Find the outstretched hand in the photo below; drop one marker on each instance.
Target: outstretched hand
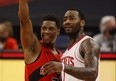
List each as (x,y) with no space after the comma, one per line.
(52,67)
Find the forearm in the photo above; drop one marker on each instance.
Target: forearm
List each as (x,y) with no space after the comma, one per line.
(81,72)
(23,11)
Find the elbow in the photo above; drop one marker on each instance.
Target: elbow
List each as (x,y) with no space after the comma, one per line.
(20,16)
(94,74)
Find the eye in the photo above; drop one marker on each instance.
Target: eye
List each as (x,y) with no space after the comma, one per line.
(72,18)
(52,29)
(43,28)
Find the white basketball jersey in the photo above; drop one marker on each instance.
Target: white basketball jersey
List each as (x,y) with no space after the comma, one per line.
(73,57)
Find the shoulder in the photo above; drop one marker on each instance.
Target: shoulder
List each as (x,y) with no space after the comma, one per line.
(90,42)
(89,45)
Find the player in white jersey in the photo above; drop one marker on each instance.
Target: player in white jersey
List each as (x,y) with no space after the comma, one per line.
(80,61)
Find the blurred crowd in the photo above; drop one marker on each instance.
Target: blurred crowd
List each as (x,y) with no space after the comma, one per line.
(106,38)
(7,41)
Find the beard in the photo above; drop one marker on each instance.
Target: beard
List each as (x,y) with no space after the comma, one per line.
(74,30)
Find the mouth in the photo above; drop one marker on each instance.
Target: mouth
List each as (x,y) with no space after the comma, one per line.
(67,28)
(46,37)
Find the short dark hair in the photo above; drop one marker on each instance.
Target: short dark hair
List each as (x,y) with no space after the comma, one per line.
(51,18)
(81,15)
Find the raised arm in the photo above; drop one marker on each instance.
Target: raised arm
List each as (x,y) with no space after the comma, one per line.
(29,41)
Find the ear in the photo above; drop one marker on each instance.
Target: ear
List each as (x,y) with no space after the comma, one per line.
(58,32)
(82,23)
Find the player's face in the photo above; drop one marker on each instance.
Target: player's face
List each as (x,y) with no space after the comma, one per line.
(49,32)
(71,22)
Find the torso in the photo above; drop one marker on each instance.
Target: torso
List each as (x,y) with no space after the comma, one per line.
(73,57)
(33,70)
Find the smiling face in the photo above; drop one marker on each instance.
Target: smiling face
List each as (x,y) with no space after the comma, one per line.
(49,32)
(72,22)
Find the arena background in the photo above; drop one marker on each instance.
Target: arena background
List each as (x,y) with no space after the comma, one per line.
(92,9)
(12,66)
(12,63)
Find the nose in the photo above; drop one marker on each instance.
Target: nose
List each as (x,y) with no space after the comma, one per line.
(47,31)
(67,22)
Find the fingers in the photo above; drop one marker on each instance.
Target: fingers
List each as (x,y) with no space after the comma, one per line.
(49,68)
(50,71)
(52,67)
(49,64)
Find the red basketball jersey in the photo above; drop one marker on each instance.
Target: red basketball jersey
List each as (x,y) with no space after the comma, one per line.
(33,70)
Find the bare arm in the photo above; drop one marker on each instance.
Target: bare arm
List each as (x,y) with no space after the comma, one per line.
(29,41)
(91,53)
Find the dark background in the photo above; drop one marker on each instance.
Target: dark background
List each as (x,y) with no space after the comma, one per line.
(92,9)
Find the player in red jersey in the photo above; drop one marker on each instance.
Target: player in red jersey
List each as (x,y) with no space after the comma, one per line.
(36,53)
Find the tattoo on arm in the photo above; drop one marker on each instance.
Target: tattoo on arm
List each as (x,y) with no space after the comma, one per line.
(80,72)
(91,55)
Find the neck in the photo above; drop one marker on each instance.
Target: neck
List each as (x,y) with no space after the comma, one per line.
(50,46)
(75,37)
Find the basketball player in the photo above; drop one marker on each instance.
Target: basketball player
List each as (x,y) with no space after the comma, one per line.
(37,53)
(81,59)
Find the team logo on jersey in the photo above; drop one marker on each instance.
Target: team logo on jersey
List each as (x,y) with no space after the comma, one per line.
(68,60)
(42,71)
